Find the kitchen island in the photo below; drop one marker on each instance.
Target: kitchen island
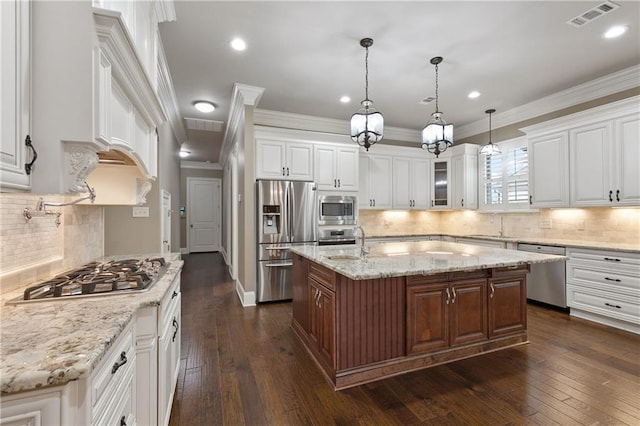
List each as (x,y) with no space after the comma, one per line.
(405,306)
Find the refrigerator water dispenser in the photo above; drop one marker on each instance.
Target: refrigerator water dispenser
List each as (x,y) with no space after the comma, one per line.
(270,220)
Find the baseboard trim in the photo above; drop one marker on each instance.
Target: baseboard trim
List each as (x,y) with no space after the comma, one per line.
(247,298)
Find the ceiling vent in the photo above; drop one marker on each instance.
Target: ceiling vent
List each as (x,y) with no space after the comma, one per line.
(206,125)
(592,14)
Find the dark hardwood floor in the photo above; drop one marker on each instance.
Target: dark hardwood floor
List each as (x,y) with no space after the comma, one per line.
(244,366)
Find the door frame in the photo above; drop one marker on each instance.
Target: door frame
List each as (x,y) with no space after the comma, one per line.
(214,181)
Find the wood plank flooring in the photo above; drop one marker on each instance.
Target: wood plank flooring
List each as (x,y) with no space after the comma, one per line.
(243,366)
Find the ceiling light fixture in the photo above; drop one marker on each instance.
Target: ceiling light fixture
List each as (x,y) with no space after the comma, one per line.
(345,99)
(184,154)
(616,31)
(238,44)
(367,124)
(437,135)
(473,95)
(204,106)
(490,148)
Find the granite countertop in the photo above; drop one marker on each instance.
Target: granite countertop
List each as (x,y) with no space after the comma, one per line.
(595,245)
(397,259)
(49,343)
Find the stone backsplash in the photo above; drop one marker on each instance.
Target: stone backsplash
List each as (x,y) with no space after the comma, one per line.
(612,225)
(37,249)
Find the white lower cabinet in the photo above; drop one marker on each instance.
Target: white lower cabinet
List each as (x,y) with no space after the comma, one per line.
(481,242)
(158,350)
(604,286)
(42,407)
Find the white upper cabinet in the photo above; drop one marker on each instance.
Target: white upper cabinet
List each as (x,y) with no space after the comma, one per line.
(549,170)
(15,109)
(375,176)
(626,170)
(464,177)
(410,188)
(587,159)
(94,90)
(336,167)
(284,160)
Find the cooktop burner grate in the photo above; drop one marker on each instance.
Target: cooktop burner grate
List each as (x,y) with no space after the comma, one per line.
(94,279)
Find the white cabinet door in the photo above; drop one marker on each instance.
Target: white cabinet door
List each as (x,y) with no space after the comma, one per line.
(590,149)
(324,167)
(347,169)
(299,161)
(549,170)
(627,153)
(464,182)
(441,184)
(15,87)
(364,170)
(402,179)
(420,183)
(270,160)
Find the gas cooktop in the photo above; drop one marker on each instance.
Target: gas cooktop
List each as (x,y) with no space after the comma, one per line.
(98,279)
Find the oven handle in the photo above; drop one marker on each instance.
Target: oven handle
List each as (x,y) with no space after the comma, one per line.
(277,265)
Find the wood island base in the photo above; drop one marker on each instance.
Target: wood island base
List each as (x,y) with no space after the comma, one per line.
(360,331)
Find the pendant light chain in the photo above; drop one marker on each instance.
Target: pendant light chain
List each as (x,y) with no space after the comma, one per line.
(437,109)
(490,138)
(366,74)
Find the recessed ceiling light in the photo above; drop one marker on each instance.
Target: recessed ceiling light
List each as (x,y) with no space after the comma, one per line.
(238,44)
(473,95)
(184,154)
(204,106)
(345,99)
(616,31)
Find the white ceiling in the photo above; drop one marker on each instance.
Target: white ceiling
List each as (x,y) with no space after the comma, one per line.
(306,55)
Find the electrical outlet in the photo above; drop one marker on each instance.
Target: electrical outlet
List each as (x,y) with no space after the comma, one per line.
(580,225)
(141,212)
(545,224)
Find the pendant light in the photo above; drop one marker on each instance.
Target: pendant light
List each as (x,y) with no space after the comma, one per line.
(366,124)
(437,135)
(490,148)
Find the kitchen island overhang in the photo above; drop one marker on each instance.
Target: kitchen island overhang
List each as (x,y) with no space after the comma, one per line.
(407,306)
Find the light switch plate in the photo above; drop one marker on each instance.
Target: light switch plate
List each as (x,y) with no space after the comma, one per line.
(141,212)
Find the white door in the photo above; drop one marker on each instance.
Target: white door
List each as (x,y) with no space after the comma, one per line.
(204,214)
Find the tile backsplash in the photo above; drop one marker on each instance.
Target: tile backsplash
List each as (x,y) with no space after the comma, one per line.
(37,249)
(611,225)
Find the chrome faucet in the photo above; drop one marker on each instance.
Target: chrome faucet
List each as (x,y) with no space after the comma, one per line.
(363,251)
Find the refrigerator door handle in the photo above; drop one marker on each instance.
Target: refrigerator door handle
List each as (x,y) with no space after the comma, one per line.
(277,265)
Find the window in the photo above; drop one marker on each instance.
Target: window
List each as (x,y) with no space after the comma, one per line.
(504,178)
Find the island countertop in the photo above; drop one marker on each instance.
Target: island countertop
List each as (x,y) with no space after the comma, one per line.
(397,259)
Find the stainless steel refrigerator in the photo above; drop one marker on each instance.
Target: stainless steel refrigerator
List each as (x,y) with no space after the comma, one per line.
(286,215)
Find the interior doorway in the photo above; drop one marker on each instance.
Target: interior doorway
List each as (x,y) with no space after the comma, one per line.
(204,212)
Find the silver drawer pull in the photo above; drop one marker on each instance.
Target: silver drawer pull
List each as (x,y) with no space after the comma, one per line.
(612,279)
(118,364)
(613,306)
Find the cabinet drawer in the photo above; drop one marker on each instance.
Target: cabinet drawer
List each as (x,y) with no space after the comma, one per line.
(604,279)
(121,410)
(510,270)
(626,308)
(606,259)
(116,368)
(169,304)
(324,276)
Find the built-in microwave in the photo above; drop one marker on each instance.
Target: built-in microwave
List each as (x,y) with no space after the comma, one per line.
(337,209)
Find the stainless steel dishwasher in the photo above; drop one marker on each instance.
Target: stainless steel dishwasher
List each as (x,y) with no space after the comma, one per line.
(547,281)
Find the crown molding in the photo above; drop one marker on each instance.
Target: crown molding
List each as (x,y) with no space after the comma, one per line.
(165,11)
(269,118)
(626,79)
(200,165)
(167,95)
(243,94)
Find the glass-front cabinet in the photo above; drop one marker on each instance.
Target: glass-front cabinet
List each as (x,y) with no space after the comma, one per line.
(440,184)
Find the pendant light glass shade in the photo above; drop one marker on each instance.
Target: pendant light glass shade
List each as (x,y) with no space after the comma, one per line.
(490,148)
(437,135)
(367,124)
